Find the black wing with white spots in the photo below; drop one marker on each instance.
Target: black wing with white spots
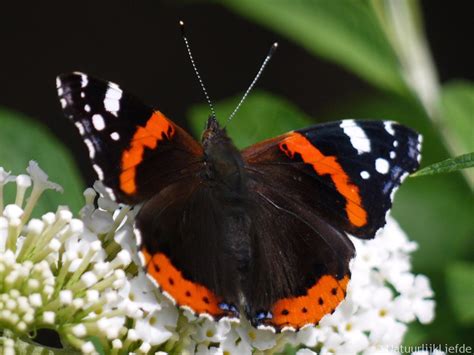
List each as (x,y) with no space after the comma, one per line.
(135,150)
(105,117)
(345,171)
(377,156)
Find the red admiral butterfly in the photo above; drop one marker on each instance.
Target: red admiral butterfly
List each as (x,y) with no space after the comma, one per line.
(262,230)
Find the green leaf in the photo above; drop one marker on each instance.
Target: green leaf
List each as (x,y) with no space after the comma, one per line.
(344,31)
(460,283)
(457,105)
(22,140)
(97,344)
(262,116)
(449,165)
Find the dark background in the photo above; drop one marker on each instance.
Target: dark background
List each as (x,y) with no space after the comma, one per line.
(139,46)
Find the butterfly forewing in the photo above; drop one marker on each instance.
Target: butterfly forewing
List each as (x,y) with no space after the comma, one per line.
(136,151)
(346,171)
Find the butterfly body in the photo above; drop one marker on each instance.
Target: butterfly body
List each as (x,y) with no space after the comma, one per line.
(260,232)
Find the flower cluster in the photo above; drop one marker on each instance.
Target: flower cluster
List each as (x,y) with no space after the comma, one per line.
(82,278)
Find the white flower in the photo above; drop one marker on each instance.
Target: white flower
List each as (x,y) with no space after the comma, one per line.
(233,345)
(258,338)
(212,332)
(154,328)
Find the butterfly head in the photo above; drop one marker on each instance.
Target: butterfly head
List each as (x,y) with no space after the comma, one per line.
(222,159)
(213,132)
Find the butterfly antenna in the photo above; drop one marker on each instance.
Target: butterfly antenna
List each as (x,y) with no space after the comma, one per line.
(260,71)
(183,34)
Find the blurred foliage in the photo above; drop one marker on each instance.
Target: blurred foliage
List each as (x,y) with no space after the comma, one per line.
(22,140)
(460,280)
(342,31)
(458,106)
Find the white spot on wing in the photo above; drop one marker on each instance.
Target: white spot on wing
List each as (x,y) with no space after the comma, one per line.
(392,194)
(153,281)
(138,236)
(90,146)
(60,91)
(171,298)
(389,127)
(111,105)
(418,147)
(112,98)
(80,127)
(58,82)
(187,308)
(111,193)
(382,166)
(309,325)
(357,136)
(395,144)
(99,171)
(114,92)
(206,316)
(232,320)
(98,122)
(83,94)
(84,80)
(392,155)
(63,102)
(114,86)
(142,259)
(87,108)
(115,136)
(364,175)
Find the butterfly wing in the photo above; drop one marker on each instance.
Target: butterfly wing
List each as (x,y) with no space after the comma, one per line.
(300,262)
(135,150)
(312,186)
(346,171)
(143,157)
(191,236)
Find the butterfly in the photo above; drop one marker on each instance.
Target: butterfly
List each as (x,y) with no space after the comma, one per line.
(262,231)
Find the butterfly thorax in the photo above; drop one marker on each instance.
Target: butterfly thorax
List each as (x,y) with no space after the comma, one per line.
(223,162)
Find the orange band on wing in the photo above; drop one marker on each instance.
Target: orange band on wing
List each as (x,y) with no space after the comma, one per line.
(156,129)
(186,293)
(321,299)
(322,164)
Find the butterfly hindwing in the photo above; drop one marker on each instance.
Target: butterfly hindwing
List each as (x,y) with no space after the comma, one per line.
(135,150)
(300,262)
(188,230)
